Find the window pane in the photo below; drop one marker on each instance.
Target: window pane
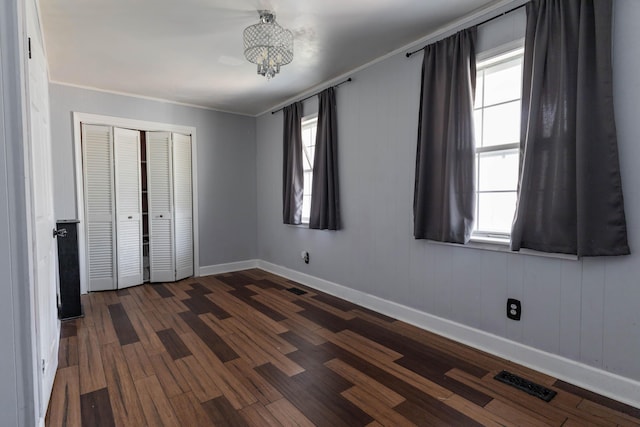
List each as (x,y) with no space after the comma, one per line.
(312,151)
(308,179)
(503,82)
(306,208)
(495,212)
(498,170)
(501,124)
(306,135)
(309,145)
(497,122)
(479,87)
(306,162)
(477,124)
(308,149)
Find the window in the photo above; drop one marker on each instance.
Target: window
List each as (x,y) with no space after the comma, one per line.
(309,126)
(497,127)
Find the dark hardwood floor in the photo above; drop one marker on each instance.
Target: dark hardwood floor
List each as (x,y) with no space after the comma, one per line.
(238,349)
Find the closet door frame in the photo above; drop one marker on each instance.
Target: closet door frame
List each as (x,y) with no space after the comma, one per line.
(96,119)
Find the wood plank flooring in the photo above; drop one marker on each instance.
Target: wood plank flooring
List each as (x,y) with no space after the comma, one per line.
(238,349)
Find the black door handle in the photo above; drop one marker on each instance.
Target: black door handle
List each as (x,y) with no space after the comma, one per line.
(59,233)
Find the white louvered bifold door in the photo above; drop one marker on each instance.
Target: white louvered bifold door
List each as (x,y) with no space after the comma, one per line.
(97,162)
(128,207)
(183,205)
(160,201)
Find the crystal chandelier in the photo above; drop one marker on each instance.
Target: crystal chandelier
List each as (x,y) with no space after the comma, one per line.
(268,45)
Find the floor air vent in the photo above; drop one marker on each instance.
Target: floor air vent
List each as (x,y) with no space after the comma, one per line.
(297,291)
(525,385)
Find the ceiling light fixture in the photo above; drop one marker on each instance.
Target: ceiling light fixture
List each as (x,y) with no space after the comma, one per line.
(268,45)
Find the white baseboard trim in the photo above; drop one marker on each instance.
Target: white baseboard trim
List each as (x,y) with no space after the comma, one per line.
(597,380)
(228,268)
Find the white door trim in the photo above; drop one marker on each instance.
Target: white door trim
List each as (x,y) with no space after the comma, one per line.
(122,122)
(18,286)
(43,256)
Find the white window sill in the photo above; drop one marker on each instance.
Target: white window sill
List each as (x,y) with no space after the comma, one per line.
(494,244)
(301,225)
(502,245)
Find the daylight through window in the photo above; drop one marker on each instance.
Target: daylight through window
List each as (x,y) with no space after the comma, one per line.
(497,128)
(309,125)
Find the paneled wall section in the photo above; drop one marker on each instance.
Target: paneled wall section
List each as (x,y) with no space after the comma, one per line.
(584,310)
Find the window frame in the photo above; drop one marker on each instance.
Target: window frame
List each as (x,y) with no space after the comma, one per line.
(306,123)
(486,60)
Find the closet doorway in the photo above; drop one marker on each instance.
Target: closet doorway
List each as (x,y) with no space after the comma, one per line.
(136,200)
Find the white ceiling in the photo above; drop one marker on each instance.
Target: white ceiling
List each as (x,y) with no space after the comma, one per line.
(190,51)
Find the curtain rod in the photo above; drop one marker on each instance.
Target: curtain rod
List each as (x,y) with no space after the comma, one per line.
(409,54)
(311,96)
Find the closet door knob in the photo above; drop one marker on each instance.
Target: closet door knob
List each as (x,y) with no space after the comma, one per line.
(130,217)
(160,216)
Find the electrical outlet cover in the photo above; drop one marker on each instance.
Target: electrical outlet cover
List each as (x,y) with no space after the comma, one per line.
(514,309)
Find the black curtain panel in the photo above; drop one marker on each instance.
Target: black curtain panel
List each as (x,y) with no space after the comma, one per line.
(325,203)
(444,192)
(570,193)
(292,171)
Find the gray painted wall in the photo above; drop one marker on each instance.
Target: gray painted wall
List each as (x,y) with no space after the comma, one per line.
(226,164)
(584,310)
(16,379)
